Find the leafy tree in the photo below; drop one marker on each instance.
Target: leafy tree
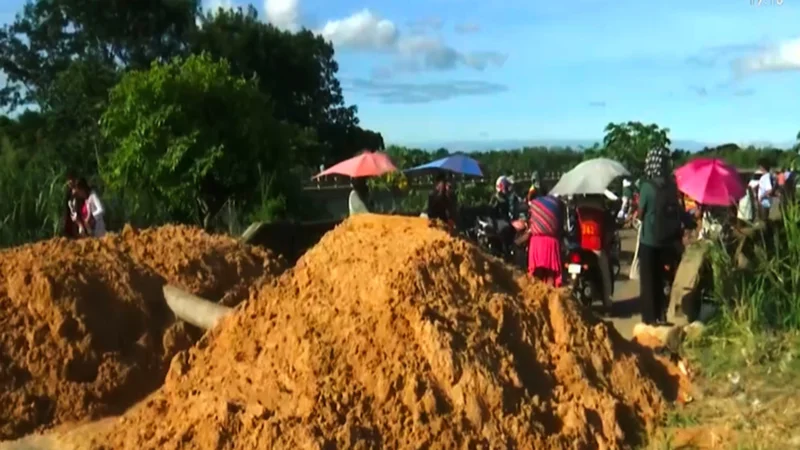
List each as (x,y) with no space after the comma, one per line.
(629,143)
(297,70)
(48,35)
(193,136)
(74,103)
(797,145)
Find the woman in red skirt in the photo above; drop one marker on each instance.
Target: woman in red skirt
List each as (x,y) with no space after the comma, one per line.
(544,250)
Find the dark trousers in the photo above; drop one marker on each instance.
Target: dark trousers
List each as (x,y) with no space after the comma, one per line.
(651,281)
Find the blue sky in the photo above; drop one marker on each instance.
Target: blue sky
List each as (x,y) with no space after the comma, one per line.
(442,70)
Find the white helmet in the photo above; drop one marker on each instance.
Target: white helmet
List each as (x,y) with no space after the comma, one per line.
(502,184)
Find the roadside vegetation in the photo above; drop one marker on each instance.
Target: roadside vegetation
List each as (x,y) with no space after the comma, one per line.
(748,357)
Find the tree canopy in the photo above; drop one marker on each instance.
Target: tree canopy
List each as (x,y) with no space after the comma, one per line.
(176,112)
(194,136)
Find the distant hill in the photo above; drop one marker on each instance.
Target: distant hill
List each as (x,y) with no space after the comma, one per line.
(510,144)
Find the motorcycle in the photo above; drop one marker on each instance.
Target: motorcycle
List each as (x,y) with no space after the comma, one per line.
(487,236)
(585,277)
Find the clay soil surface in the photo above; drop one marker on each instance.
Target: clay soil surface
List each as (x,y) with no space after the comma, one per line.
(392,334)
(749,397)
(85,329)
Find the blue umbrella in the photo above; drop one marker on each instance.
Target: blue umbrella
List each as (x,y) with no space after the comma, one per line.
(460,164)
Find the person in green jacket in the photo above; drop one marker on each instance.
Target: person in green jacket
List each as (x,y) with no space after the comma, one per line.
(661,231)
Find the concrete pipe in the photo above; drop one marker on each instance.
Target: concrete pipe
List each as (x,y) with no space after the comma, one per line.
(197,311)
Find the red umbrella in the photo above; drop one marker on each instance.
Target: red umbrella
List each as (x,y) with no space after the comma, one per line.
(367,164)
(710,181)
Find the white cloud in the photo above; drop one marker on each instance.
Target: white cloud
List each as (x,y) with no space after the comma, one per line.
(784,56)
(415,93)
(361,31)
(284,14)
(367,31)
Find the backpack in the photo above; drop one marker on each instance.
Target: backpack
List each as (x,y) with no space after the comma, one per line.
(668,212)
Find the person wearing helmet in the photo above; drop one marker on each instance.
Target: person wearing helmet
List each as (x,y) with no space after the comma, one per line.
(516,204)
(502,211)
(501,200)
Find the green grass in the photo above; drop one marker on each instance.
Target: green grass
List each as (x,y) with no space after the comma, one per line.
(749,355)
(30,206)
(763,296)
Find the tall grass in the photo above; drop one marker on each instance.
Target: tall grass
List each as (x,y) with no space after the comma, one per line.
(763,296)
(31,205)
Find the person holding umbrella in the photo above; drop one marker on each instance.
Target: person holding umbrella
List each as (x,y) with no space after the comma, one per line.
(359,168)
(440,202)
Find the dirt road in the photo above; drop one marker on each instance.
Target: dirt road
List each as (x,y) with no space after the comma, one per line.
(626,291)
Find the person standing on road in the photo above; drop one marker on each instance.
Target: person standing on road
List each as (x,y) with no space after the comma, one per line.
(544,249)
(661,233)
(627,195)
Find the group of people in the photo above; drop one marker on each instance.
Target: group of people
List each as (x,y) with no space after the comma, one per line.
(590,222)
(83,210)
(765,191)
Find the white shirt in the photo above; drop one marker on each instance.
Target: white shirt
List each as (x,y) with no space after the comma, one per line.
(764,186)
(97,211)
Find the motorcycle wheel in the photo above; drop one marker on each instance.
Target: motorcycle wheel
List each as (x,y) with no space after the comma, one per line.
(586,293)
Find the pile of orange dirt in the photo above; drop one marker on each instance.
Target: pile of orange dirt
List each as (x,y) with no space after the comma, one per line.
(85,331)
(392,334)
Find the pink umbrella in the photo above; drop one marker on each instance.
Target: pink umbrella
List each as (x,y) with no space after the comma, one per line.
(710,181)
(367,164)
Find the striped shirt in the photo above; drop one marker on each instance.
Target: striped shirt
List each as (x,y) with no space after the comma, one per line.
(546,216)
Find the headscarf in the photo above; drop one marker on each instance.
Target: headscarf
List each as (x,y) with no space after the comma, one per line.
(657,163)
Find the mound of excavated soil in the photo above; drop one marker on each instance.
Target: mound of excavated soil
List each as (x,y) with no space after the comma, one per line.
(84,329)
(209,266)
(392,334)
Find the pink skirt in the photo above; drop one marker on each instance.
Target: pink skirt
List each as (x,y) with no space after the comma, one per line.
(544,259)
